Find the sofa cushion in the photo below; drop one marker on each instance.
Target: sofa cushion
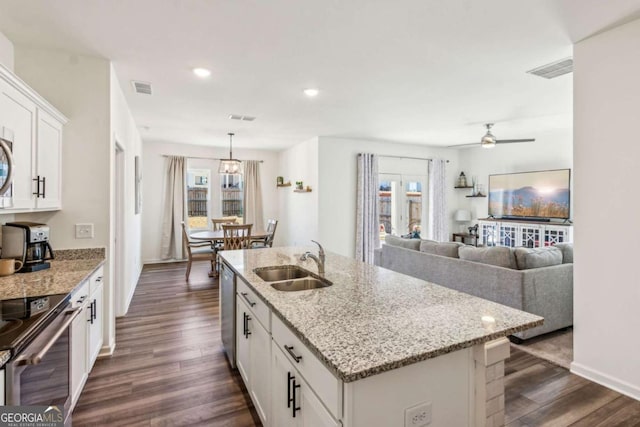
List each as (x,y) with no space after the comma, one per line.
(413,244)
(528,258)
(497,255)
(567,252)
(448,249)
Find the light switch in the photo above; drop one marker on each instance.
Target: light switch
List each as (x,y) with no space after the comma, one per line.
(84,231)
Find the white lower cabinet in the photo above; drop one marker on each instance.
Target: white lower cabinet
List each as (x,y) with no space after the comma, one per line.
(293,401)
(253,359)
(86,332)
(94,318)
(79,343)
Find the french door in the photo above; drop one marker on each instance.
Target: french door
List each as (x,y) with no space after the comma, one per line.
(402,204)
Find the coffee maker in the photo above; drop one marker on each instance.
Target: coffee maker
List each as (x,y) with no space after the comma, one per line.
(27,242)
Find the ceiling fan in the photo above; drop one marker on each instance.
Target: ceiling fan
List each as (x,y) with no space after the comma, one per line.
(490,141)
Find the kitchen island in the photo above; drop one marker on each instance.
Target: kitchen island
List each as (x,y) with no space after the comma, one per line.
(374,348)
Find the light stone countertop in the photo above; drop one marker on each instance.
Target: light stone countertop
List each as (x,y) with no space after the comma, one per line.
(372,319)
(61,278)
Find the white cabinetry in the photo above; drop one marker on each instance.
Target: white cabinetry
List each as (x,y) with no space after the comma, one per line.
(253,350)
(94,318)
(294,402)
(35,129)
(527,234)
(79,343)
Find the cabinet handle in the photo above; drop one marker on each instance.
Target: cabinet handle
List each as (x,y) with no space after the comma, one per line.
(294,408)
(91,312)
(44,187)
(95,310)
(99,279)
(248,331)
(289,399)
(244,324)
(82,298)
(292,354)
(244,295)
(37,180)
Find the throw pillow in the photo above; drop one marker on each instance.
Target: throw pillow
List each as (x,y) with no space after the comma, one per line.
(527,258)
(413,244)
(448,249)
(567,252)
(498,255)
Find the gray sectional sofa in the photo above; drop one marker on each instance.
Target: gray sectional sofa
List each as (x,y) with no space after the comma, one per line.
(538,281)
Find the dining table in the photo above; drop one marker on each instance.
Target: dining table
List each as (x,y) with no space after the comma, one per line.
(217,236)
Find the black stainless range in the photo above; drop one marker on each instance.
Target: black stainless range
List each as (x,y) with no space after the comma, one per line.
(36,331)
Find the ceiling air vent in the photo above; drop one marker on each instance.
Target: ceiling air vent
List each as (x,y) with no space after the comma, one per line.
(239,117)
(555,69)
(141,87)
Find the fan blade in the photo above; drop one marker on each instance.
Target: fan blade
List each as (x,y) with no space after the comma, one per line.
(464,145)
(512,141)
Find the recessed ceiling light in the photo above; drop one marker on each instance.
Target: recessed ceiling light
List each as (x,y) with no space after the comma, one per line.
(201,72)
(311,92)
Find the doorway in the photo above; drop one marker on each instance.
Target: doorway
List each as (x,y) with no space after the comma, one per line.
(402,204)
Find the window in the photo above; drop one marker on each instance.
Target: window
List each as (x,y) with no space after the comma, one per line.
(198,198)
(232,195)
(402,207)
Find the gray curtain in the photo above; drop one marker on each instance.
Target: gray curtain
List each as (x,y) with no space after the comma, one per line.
(438,219)
(367,229)
(173,208)
(253,195)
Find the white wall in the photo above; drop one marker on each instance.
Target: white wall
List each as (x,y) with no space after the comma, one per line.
(125,133)
(338,180)
(298,221)
(79,86)
(6,52)
(153,182)
(552,149)
(606,159)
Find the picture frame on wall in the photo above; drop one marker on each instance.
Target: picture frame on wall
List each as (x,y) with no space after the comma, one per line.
(138,185)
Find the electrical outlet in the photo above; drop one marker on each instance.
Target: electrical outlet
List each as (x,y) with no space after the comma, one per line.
(418,415)
(84,231)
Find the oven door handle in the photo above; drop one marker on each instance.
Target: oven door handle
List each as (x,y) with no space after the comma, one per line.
(37,358)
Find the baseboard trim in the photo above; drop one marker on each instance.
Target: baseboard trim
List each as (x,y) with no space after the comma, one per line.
(107,350)
(606,380)
(161,261)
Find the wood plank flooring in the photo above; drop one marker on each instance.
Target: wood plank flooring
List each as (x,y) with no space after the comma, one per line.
(169,369)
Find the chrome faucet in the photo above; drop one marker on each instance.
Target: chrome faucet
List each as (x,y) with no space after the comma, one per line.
(318,259)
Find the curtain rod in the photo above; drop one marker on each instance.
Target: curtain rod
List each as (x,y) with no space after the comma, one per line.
(208,158)
(410,158)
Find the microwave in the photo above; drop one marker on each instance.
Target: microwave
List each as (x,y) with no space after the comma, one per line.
(6,168)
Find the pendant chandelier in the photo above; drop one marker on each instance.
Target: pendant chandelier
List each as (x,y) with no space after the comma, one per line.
(230,166)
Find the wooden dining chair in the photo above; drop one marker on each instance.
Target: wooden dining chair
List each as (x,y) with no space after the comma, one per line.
(196,251)
(218,222)
(236,236)
(267,242)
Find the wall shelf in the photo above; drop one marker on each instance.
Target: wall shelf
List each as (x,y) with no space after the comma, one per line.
(286,184)
(467,187)
(306,190)
(477,195)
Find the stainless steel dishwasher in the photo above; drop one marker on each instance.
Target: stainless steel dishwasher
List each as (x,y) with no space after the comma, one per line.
(228,312)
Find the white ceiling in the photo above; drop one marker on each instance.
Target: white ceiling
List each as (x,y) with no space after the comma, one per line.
(415,71)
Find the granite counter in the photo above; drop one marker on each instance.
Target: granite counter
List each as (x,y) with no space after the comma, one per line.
(373,320)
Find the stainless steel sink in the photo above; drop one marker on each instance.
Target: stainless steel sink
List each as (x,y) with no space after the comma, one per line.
(281,272)
(301,284)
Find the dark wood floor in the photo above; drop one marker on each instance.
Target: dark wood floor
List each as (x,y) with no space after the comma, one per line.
(169,370)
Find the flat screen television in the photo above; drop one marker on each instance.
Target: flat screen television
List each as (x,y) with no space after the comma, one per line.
(542,195)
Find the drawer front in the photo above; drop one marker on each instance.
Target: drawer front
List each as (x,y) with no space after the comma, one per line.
(96,280)
(326,385)
(255,304)
(81,294)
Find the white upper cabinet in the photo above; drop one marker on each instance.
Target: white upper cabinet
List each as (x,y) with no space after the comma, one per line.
(34,128)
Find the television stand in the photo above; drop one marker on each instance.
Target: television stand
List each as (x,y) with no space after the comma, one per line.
(522,232)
